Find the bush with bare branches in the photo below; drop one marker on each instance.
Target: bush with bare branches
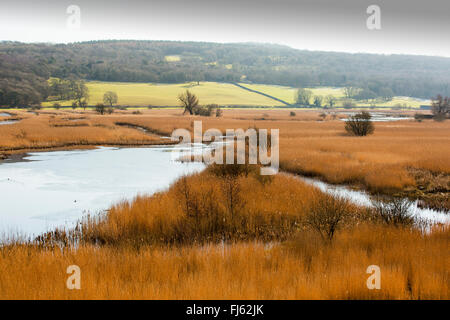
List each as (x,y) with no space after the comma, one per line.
(189,101)
(394,212)
(326,215)
(360,124)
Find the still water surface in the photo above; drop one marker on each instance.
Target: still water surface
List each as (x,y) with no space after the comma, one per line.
(51,189)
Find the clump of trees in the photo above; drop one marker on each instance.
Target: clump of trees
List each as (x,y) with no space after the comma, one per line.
(360,124)
(77,90)
(102,109)
(440,107)
(190,102)
(206,111)
(80,93)
(318,101)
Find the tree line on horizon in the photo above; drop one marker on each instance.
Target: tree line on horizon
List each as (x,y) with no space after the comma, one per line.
(25,68)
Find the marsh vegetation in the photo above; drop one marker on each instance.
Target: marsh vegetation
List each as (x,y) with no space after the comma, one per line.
(275,238)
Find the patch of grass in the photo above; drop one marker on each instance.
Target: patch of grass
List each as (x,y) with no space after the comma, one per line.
(173,58)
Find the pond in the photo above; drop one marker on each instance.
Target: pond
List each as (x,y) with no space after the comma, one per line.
(45,190)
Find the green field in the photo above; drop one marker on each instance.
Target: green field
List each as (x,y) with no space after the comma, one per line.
(288,94)
(172,58)
(225,94)
(145,94)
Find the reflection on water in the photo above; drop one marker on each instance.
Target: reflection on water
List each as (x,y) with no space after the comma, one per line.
(57,188)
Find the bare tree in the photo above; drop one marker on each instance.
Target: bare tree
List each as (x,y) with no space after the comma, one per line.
(326,214)
(395,212)
(318,101)
(440,107)
(304,97)
(189,101)
(110,98)
(350,91)
(360,124)
(231,189)
(330,100)
(79,92)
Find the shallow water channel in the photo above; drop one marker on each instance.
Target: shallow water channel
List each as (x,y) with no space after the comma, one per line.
(364,199)
(5,122)
(43,190)
(49,189)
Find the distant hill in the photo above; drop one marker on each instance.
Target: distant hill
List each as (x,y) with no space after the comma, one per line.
(24,68)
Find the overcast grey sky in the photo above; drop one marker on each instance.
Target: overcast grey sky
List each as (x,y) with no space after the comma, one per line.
(407,26)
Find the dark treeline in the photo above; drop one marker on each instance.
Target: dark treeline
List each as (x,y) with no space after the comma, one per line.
(24,68)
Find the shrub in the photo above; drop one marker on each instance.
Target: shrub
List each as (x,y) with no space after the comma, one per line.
(231,170)
(418,117)
(439,117)
(360,124)
(203,111)
(326,214)
(394,212)
(100,108)
(292,114)
(440,107)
